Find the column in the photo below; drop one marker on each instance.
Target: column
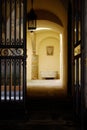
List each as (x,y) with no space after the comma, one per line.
(34,72)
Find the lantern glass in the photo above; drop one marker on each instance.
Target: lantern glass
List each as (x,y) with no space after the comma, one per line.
(32,20)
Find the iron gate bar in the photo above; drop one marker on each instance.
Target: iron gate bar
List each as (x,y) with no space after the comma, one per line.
(0,41)
(19,20)
(19,78)
(0,79)
(13,51)
(10,23)
(24,35)
(5,79)
(12,57)
(10,80)
(11,46)
(5,21)
(78,43)
(14,81)
(0,23)
(15,22)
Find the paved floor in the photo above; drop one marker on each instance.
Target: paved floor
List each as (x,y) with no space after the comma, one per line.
(42,115)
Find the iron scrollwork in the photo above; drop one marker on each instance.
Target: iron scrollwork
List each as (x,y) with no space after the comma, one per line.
(11,52)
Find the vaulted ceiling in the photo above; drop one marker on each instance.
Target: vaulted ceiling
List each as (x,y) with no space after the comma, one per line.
(52,10)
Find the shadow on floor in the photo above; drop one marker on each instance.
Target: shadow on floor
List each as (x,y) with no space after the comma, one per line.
(41,114)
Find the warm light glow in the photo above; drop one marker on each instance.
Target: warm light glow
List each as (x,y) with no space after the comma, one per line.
(75,29)
(43,28)
(61,59)
(53,36)
(40,29)
(77,50)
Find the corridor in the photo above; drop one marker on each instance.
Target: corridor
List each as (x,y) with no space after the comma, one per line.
(42,89)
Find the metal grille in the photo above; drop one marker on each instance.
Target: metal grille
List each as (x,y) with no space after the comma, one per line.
(12,50)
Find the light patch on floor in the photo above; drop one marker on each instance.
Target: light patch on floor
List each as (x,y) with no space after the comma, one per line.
(45,83)
(43,88)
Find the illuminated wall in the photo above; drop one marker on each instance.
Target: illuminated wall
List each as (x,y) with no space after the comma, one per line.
(49,62)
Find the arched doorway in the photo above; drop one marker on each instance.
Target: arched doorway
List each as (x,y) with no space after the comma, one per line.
(43,68)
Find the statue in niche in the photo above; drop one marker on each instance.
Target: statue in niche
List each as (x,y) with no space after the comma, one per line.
(50,50)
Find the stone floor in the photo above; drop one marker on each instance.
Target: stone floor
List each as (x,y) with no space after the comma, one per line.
(41,115)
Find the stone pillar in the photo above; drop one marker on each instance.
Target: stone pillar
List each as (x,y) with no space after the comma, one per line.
(33,42)
(34,71)
(34,67)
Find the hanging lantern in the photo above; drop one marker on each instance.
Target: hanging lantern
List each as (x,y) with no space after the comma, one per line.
(32,19)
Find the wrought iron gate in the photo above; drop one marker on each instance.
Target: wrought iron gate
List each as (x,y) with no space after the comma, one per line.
(12,50)
(77,56)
